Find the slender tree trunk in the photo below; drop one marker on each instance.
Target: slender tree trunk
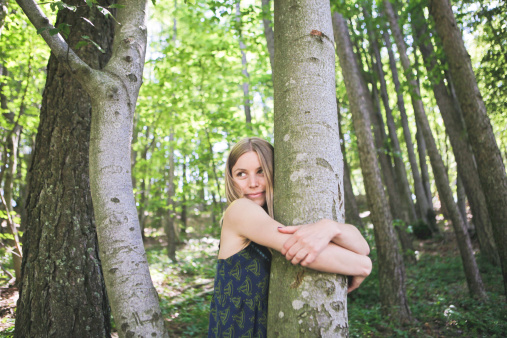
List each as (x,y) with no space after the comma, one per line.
(8,192)
(309,173)
(62,291)
(425,175)
(244,71)
(462,200)
(170,229)
(465,160)
(391,267)
(399,166)
(473,277)
(487,154)
(268,32)
(423,204)
(184,197)
(351,209)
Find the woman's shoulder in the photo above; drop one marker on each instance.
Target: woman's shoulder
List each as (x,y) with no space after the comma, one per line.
(240,208)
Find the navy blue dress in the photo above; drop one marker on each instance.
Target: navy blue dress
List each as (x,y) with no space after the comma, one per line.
(239,306)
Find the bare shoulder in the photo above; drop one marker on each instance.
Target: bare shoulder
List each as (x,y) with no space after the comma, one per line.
(241,208)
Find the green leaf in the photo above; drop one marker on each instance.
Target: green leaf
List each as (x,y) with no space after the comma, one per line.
(106,13)
(117,6)
(86,37)
(54,31)
(43,29)
(81,44)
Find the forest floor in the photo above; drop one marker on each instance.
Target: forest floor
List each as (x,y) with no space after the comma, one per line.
(436,291)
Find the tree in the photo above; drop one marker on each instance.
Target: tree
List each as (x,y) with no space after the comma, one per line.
(113,92)
(425,208)
(391,267)
(308,165)
(489,160)
(62,291)
(452,116)
(474,281)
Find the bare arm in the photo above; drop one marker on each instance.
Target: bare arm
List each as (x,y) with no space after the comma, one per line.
(308,240)
(247,220)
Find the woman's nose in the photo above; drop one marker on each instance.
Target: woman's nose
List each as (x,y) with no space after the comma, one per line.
(254,182)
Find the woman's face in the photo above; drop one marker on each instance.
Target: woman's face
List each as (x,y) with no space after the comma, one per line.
(248,175)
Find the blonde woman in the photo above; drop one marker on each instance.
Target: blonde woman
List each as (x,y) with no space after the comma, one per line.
(240,299)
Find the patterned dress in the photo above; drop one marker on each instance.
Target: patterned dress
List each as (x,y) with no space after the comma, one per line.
(240,299)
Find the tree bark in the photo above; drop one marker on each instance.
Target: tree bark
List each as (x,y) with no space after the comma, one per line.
(423,205)
(113,92)
(268,32)
(309,168)
(391,267)
(351,209)
(463,155)
(62,291)
(473,277)
(487,154)
(399,166)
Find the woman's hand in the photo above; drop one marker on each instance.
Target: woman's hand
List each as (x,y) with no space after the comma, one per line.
(307,241)
(354,282)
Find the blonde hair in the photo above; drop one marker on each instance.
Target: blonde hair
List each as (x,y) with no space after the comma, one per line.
(265,152)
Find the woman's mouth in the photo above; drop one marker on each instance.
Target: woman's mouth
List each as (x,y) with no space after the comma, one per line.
(255,195)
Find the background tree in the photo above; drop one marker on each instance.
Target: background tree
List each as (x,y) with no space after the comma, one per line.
(489,160)
(113,93)
(390,265)
(68,299)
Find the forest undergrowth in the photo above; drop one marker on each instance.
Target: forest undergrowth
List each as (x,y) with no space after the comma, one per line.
(436,289)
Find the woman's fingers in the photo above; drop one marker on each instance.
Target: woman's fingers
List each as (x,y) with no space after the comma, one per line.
(288,229)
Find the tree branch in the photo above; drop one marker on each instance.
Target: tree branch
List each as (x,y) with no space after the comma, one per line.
(56,43)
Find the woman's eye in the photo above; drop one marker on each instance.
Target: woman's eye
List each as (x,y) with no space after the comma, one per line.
(240,175)
(260,172)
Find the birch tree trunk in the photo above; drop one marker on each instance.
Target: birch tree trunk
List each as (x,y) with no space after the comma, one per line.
(309,168)
(473,277)
(62,291)
(391,267)
(113,92)
(463,155)
(490,166)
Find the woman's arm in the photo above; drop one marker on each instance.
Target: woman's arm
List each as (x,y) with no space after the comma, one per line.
(309,240)
(246,219)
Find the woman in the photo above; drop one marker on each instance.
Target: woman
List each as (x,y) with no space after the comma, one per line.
(240,299)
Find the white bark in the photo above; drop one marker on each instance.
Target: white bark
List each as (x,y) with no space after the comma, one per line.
(309,167)
(114,91)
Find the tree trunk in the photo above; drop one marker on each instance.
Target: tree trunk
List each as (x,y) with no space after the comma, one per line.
(8,188)
(391,267)
(113,92)
(488,158)
(422,204)
(170,229)
(268,32)
(399,166)
(309,168)
(244,71)
(62,291)
(351,209)
(184,197)
(463,155)
(462,200)
(473,277)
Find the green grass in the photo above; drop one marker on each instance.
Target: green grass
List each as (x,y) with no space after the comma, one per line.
(436,290)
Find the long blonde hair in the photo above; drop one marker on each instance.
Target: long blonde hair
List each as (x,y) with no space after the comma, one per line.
(265,152)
